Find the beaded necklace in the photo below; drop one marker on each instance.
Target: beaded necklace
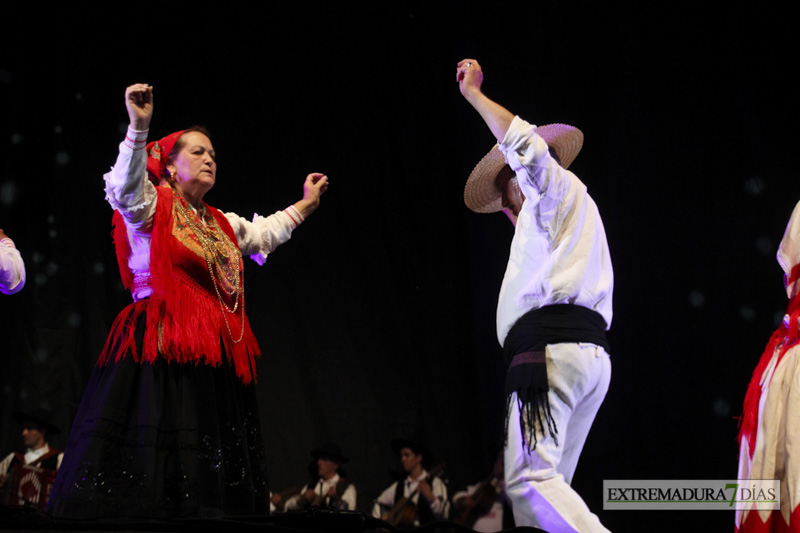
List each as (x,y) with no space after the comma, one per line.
(222,257)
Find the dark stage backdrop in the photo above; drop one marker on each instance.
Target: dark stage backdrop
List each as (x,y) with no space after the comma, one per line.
(377,318)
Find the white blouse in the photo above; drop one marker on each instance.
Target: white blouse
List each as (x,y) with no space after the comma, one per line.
(129,190)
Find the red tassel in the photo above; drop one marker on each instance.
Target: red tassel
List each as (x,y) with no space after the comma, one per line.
(122,334)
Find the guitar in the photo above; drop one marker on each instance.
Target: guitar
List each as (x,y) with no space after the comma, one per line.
(333,500)
(279,499)
(479,503)
(405,510)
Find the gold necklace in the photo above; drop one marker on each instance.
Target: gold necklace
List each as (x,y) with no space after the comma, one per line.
(222,258)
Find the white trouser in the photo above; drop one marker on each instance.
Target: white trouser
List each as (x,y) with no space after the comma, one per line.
(538,482)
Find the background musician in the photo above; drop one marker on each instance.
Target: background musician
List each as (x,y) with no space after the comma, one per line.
(37,427)
(331,490)
(418,498)
(484,506)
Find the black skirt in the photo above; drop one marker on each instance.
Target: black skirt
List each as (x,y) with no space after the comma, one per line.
(163,440)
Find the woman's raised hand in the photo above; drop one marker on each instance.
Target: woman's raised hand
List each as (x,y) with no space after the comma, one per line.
(139,102)
(313,187)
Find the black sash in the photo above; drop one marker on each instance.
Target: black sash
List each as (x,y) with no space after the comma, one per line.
(524,352)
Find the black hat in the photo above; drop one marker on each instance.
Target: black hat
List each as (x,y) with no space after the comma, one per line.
(42,417)
(331,451)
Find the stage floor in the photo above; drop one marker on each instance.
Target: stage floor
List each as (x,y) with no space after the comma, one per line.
(13,518)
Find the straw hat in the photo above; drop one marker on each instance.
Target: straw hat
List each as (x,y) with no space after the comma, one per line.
(480,193)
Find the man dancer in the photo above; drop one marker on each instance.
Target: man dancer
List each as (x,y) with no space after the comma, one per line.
(553,310)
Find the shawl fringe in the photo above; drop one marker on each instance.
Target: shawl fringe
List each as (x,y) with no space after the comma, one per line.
(184,321)
(775,522)
(784,338)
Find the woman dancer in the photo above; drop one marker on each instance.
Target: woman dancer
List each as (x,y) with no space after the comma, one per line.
(168,425)
(770,430)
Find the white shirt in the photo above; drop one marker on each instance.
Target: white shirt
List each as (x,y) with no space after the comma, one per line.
(130,191)
(559,253)
(12,268)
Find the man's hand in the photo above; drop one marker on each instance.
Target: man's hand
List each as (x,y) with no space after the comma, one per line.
(469,77)
(426,492)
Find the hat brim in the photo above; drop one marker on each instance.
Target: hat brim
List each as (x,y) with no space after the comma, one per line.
(21,417)
(329,453)
(480,193)
(341,459)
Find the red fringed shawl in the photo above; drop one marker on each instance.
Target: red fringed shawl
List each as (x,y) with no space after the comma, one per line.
(185,322)
(784,338)
(774,524)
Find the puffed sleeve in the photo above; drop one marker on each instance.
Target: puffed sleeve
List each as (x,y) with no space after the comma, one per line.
(261,236)
(127,188)
(441,506)
(4,464)
(12,268)
(385,501)
(349,497)
(293,503)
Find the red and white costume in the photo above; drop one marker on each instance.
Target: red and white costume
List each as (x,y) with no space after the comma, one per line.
(770,432)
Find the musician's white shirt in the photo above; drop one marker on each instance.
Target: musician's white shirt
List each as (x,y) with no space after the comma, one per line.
(440,507)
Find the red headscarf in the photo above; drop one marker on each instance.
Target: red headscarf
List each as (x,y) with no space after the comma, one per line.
(157,155)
